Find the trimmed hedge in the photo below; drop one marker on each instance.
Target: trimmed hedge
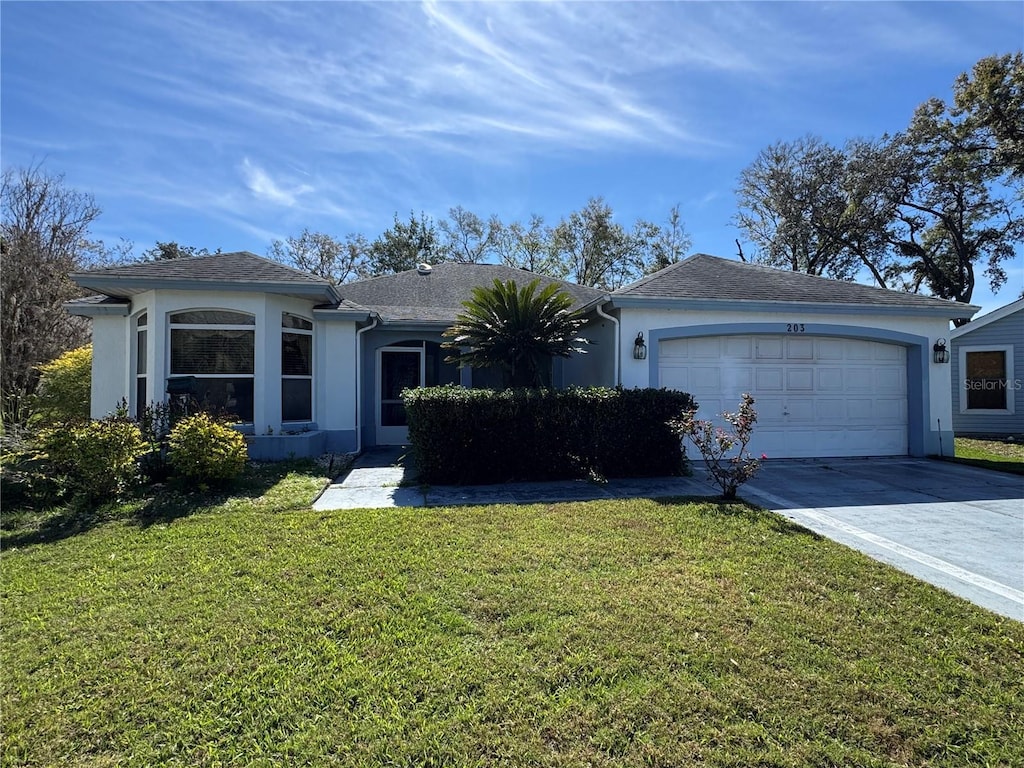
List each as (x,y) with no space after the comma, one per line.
(477,436)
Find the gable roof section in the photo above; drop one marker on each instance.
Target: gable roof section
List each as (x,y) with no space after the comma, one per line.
(437,296)
(238,271)
(994,316)
(711,278)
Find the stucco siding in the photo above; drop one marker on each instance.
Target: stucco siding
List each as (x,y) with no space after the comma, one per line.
(596,367)
(110,354)
(1005,333)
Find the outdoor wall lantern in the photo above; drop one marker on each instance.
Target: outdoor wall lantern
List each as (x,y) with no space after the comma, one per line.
(639,347)
(941,353)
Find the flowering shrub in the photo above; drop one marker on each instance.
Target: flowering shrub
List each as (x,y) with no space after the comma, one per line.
(727,468)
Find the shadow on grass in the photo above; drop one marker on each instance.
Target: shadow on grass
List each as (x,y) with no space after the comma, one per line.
(716,506)
(24,527)
(180,498)
(165,503)
(1009,466)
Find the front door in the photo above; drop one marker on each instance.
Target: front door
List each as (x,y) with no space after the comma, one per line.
(399,368)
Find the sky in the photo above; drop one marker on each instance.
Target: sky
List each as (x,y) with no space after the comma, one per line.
(231,124)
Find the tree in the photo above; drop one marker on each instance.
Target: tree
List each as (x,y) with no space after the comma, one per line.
(519,330)
(994,99)
(324,256)
(594,250)
(949,215)
(792,205)
(671,243)
(919,210)
(171,250)
(64,388)
(528,247)
(404,246)
(467,238)
(44,238)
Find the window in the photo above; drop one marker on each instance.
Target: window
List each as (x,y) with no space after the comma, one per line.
(212,357)
(296,368)
(141,348)
(987,374)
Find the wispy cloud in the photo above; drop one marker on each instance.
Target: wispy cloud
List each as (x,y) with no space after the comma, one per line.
(267,117)
(265,188)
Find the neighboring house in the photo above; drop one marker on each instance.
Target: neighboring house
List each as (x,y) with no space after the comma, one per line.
(837,368)
(987,357)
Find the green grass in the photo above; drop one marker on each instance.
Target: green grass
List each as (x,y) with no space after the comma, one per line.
(604,633)
(1003,456)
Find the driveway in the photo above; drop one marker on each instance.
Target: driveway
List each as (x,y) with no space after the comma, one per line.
(955,526)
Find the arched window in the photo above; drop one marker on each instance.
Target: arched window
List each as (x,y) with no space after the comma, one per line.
(296,368)
(212,360)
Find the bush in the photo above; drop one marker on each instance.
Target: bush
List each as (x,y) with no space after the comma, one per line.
(64,389)
(206,451)
(483,436)
(98,458)
(727,469)
(156,420)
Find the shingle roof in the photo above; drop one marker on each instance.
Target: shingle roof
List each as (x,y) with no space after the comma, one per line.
(236,266)
(437,296)
(237,271)
(711,277)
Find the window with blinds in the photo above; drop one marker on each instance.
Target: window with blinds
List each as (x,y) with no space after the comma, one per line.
(296,368)
(214,351)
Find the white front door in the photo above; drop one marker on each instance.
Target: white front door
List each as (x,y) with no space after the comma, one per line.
(815,396)
(398,368)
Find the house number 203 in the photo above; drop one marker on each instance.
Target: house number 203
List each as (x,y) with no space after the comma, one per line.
(795,328)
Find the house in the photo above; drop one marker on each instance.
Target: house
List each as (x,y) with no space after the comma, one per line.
(987,361)
(837,368)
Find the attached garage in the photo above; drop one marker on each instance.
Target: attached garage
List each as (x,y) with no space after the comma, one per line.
(815,395)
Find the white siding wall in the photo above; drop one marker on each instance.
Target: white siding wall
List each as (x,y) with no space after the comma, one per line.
(335,378)
(110,361)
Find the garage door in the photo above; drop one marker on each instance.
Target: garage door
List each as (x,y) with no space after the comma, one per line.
(816,396)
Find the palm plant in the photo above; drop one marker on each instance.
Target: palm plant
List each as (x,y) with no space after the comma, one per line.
(518,330)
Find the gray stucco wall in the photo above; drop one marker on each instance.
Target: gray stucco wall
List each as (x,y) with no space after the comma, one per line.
(1005,332)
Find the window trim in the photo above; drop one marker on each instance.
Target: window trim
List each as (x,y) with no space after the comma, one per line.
(140,325)
(1007,350)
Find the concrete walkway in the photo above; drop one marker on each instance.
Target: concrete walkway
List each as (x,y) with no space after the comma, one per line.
(954,526)
(386,477)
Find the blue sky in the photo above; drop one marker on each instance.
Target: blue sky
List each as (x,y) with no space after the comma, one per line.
(227,125)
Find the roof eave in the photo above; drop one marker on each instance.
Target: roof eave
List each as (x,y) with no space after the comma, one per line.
(80,309)
(951,311)
(330,313)
(124,287)
(994,316)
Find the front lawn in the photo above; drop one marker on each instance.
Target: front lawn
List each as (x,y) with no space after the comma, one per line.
(1001,455)
(603,633)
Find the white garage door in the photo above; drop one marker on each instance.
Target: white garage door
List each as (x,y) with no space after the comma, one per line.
(816,396)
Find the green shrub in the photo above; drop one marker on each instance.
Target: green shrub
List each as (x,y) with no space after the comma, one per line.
(206,451)
(99,458)
(64,389)
(483,436)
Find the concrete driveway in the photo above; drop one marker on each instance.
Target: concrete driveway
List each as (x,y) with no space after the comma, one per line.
(955,526)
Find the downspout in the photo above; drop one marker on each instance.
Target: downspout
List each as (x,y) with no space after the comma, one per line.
(359,382)
(618,341)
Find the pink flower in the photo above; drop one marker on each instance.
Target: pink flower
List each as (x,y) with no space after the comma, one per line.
(764,455)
